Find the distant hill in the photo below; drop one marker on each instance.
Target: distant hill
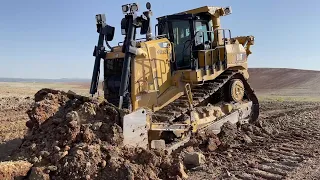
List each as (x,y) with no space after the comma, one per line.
(63,80)
(279,78)
(263,80)
(285,81)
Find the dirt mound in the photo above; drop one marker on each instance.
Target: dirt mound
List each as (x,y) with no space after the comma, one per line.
(72,137)
(14,169)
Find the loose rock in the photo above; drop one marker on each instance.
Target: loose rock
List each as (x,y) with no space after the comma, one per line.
(37,173)
(194,158)
(213,144)
(182,173)
(44,153)
(52,168)
(96,126)
(247,139)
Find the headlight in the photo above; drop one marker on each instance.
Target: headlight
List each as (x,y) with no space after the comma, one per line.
(100,18)
(125,8)
(227,10)
(148,5)
(134,7)
(130,8)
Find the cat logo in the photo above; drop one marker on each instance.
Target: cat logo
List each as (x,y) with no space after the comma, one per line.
(162,51)
(163,44)
(241,58)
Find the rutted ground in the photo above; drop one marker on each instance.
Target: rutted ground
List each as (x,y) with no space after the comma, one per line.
(287,146)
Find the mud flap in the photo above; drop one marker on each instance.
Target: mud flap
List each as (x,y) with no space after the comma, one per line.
(135,129)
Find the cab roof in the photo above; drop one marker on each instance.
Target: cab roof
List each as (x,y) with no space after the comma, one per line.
(212,10)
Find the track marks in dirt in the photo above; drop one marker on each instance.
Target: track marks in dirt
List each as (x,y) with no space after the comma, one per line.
(277,162)
(277,156)
(286,137)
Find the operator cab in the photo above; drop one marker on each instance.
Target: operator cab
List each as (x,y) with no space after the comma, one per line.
(188,32)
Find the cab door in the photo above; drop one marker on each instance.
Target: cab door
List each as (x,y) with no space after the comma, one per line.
(179,30)
(182,42)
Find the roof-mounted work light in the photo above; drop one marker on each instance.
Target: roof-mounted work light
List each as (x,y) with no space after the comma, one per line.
(130,8)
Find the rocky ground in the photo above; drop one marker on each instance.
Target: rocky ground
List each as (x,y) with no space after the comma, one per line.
(13,117)
(284,145)
(75,138)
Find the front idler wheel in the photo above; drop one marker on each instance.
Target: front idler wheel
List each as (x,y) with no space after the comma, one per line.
(236,90)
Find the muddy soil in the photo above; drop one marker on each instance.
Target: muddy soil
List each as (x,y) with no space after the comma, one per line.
(70,137)
(73,137)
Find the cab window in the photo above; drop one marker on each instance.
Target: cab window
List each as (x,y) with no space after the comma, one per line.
(202,36)
(182,39)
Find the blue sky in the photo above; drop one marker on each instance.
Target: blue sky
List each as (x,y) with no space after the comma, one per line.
(55,39)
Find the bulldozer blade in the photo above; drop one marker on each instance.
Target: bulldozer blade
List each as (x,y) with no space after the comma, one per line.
(241,115)
(135,129)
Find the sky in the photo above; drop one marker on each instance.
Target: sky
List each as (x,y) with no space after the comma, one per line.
(55,39)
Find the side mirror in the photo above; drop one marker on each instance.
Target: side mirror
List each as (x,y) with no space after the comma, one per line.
(108,31)
(144,27)
(145,22)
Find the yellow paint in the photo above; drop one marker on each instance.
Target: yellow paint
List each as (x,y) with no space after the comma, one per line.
(154,86)
(152,74)
(117,53)
(200,120)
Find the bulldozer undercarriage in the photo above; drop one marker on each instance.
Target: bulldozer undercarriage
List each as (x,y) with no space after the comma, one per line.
(202,108)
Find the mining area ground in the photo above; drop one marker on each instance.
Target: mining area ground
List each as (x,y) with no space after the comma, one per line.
(15,99)
(284,144)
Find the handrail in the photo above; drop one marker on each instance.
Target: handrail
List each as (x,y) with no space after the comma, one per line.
(174,52)
(219,29)
(212,49)
(155,29)
(161,36)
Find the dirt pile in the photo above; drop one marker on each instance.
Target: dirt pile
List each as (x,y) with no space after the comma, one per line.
(17,169)
(73,137)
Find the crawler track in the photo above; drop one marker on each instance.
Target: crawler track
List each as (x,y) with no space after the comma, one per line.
(201,95)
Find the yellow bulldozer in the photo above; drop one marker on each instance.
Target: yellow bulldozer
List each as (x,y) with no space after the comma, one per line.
(189,77)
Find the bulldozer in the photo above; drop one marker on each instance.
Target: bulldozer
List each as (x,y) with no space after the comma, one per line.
(190,76)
